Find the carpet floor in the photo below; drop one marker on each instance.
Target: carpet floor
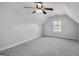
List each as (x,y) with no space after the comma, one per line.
(45,46)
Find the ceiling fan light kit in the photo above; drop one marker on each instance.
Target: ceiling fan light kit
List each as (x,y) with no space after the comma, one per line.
(39,11)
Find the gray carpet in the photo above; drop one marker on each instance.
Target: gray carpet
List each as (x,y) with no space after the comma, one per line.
(45,46)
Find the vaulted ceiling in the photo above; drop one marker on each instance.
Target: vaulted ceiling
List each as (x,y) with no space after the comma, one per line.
(60,8)
(72,9)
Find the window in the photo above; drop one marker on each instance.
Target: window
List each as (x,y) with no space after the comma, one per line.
(57,26)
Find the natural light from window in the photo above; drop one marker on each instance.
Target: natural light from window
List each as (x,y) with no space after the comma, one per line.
(57,26)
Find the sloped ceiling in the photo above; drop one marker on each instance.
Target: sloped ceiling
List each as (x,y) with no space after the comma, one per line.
(72,9)
(26,15)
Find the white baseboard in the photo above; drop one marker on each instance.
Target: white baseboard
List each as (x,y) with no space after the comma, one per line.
(18,43)
(62,36)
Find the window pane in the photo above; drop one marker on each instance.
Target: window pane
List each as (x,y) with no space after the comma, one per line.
(57,26)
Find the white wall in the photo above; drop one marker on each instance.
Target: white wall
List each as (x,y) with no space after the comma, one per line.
(69,27)
(78,31)
(14,27)
(17,33)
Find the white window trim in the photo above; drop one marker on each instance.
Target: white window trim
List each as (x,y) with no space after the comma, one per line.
(57,24)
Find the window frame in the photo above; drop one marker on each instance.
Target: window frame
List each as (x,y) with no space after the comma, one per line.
(57,26)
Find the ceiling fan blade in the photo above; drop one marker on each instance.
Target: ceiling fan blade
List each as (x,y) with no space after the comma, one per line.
(30,7)
(33,12)
(48,9)
(44,12)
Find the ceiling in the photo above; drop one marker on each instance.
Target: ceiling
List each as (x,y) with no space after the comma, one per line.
(60,8)
(72,9)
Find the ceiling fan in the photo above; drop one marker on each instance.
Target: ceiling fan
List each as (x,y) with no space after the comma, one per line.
(40,8)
